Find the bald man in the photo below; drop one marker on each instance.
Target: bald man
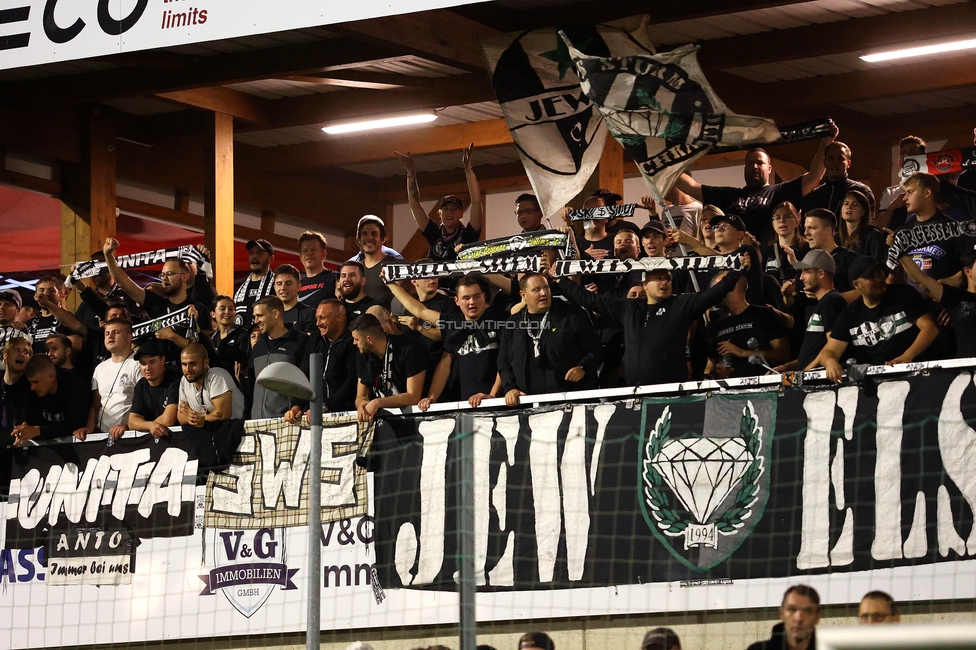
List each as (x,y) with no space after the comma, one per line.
(206,394)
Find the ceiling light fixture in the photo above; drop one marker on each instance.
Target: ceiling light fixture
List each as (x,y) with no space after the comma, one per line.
(922,50)
(382,123)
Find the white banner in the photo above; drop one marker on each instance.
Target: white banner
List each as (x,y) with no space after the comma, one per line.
(33,32)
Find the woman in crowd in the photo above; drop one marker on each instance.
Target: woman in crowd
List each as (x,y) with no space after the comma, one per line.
(786,225)
(856,230)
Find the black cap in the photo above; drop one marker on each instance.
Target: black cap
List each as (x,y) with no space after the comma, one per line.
(450,198)
(862,267)
(263,244)
(660,637)
(733,219)
(654,226)
(150,348)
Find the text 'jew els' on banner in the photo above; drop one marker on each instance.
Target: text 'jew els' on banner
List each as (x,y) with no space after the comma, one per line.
(750,486)
(662,110)
(556,128)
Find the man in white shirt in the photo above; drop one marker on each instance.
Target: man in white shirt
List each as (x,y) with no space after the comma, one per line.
(113,383)
(206,394)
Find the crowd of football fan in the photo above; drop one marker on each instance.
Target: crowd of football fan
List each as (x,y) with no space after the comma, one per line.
(813,291)
(799,614)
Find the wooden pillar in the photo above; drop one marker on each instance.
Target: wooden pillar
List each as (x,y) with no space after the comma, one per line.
(611,168)
(218,202)
(268,222)
(88,191)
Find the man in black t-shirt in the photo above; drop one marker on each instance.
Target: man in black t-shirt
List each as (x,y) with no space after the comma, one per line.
(819,228)
(888,324)
(50,290)
(391,369)
(352,290)
(755,201)
(960,304)
(444,237)
(57,405)
(730,337)
(319,283)
(937,259)
(173,287)
(470,334)
(157,395)
(817,277)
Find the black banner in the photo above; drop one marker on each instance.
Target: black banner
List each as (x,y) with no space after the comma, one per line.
(188,254)
(141,485)
(604,212)
(694,263)
(725,487)
(530,242)
(418,270)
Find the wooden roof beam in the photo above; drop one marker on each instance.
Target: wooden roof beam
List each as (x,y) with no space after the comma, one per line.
(354,149)
(223,100)
(852,35)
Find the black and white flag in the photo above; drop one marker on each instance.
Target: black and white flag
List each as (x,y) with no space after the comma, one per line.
(188,254)
(531,242)
(706,263)
(604,212)
(150,327)
(662,110)
(557,129)
(420,270)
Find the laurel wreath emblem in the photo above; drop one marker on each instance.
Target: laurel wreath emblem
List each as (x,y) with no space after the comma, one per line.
(669,519)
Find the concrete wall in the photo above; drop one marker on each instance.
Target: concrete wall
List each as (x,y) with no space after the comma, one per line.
(698,631)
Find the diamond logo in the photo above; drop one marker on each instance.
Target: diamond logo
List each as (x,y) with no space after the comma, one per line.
(703,471)
(704,479)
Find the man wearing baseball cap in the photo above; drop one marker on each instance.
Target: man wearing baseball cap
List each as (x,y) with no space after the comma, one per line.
(888,324)
(259,284)
(157,393)
(817,270)
(10,327)
(443,237)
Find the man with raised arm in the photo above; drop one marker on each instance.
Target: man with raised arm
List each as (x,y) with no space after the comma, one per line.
(391,369)
(655,329)
(113,384)
(318,284)
(173,287)
(444,237)
(470,331)
(756,200)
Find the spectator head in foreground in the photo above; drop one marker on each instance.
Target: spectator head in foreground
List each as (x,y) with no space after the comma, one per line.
(877,607)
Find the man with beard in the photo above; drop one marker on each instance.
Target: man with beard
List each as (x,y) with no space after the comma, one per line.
(373,255)
(391,369)
(173,278)
(57,405)
(552,347)
(276,342)
(830,194)
(59,350)
(817,277)
(444,237)
(470,334)
(319,282)
(259,284)
(157,393)
(206,394)
(287,284)
(351,289)
(755,201)
(113,384)
(333,340)
(799,614)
